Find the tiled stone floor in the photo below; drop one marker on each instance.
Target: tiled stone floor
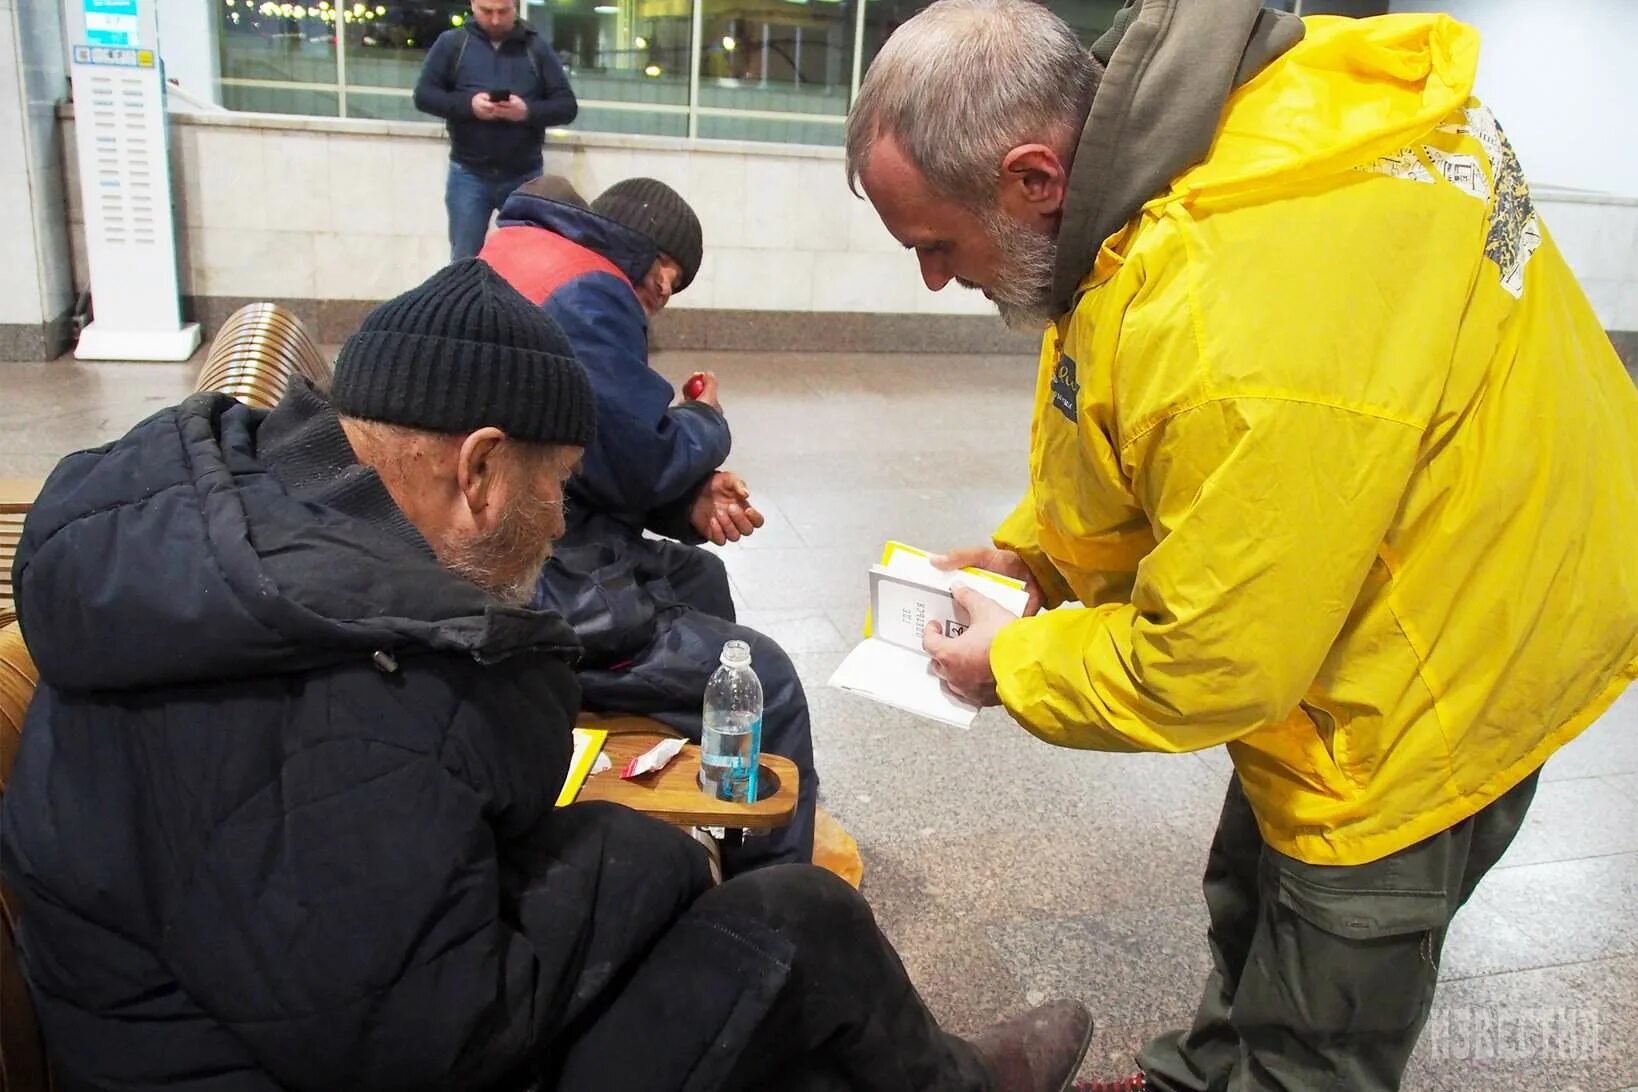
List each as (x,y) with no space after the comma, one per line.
(1007,871)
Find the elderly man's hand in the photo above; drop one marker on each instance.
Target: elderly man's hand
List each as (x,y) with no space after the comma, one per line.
(964,662)
(722,511)
(706,390)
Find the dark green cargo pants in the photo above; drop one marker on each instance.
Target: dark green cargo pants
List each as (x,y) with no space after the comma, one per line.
(1323,975)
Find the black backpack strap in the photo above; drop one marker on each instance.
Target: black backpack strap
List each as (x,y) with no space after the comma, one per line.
(534,61)
(460,53)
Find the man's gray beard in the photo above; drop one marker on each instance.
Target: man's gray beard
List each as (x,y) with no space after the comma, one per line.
(506,561)
(1023,289)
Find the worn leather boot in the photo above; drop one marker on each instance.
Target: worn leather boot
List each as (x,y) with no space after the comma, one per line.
(1039,1050)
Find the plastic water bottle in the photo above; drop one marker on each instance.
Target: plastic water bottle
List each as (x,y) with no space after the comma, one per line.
(731,739)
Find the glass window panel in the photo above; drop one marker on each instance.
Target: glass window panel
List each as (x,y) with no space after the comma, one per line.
(787,56)
(771,129)
(387,40)
(283,42)
(605,119)
(385,107)
(625,51)
(1089,18)
(280,100)
(612,88)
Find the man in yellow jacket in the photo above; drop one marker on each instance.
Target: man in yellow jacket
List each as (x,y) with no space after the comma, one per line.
(1331,458)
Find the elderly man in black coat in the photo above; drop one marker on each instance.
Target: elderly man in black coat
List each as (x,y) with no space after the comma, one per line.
(283,814)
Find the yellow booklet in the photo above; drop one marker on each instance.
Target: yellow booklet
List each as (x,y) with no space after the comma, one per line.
(588,744)
(907,592)
(916,566)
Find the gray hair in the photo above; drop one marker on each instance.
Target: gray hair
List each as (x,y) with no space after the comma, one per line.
(966,81)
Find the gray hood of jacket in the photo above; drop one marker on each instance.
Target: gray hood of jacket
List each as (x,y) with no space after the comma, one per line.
(1169,68)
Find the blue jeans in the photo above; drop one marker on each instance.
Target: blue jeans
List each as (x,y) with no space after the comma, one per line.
(470,199)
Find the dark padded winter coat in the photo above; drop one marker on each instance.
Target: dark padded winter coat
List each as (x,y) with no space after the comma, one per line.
(283,813)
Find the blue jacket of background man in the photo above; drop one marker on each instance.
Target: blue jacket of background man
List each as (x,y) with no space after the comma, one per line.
(462,63)
(650,457)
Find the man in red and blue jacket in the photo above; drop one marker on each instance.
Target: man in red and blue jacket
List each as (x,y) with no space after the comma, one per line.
(653,614)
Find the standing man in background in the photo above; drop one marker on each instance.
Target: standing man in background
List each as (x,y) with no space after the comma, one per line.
(499,87)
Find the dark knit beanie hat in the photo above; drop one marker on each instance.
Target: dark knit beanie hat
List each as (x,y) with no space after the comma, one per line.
(659,212)
(461,352)
(554,187)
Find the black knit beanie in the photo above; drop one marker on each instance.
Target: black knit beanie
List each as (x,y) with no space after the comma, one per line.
(461,352)
(655,209)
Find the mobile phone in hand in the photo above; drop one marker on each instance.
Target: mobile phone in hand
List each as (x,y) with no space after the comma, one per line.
(499,96)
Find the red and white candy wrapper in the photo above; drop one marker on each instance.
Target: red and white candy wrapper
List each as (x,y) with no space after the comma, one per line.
(655,758)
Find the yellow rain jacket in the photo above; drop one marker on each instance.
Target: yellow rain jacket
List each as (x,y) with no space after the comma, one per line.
(1339,461)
